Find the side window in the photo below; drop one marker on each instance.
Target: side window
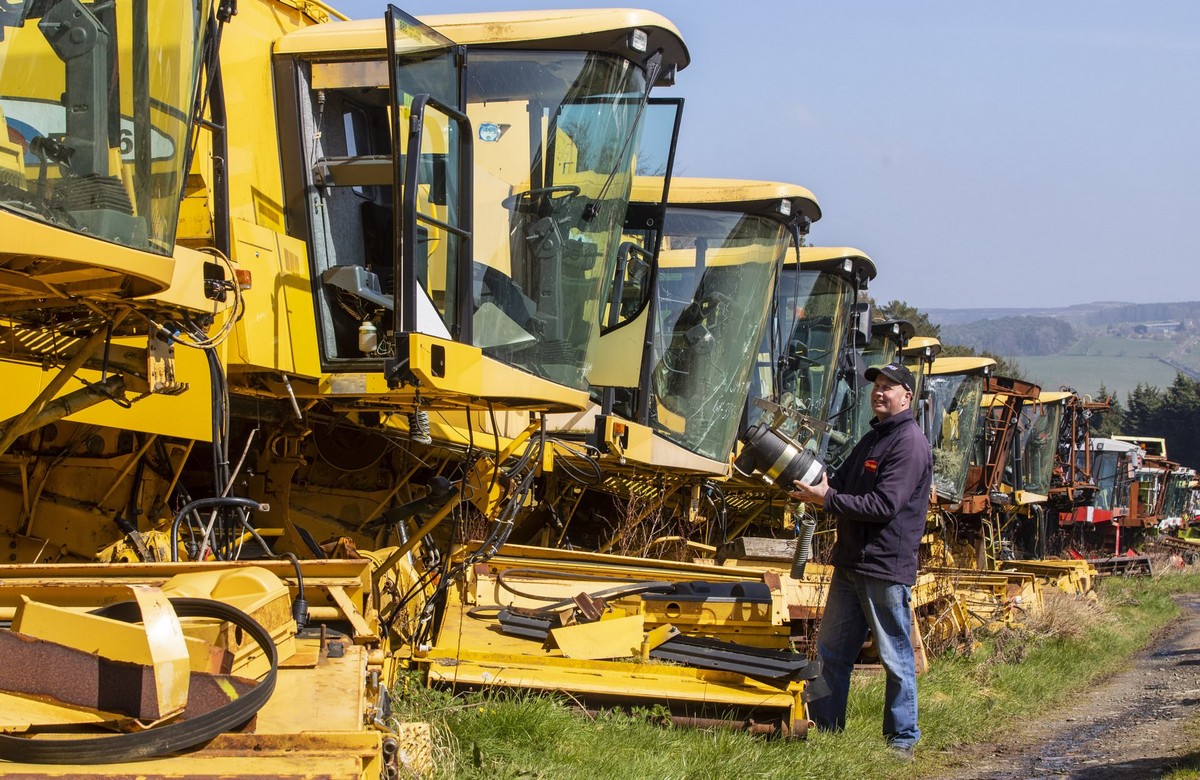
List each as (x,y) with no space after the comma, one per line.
(358,142)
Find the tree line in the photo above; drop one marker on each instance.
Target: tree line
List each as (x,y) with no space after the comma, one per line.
(1014,335)
(1172,414)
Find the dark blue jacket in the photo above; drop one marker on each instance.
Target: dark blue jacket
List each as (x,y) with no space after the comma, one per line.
(880,496)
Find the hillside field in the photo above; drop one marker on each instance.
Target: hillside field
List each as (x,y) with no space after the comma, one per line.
(1085,373)
(1119,363)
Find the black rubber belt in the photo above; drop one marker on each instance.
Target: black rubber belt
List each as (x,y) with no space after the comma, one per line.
(161,740)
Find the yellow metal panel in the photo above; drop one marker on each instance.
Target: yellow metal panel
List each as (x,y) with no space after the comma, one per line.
(157,643)
(29,238)
(733,194)
(461,369)
(187,283)
(187,416)
(917,346)
(279,764)
(813,255)
(615,638)
(960,365)
(538,29)
(617,357)
(278,330)
(254,171)
(253,590)
(330,697)
(18,713)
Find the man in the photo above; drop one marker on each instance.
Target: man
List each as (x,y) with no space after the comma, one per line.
(879,495)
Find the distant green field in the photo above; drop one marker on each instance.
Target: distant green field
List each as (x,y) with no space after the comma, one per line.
(1115,346)
(1085,373)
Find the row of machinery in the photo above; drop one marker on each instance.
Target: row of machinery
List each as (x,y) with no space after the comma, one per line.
(343,348)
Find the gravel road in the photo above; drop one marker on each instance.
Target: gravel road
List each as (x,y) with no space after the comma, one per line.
(1130,727)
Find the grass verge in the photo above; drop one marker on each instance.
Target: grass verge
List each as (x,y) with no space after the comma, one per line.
(964,699)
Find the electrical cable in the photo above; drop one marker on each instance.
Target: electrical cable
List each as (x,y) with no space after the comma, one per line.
(618,591)
(201,503)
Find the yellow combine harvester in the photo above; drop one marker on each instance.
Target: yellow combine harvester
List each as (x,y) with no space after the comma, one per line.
(675,361)
(673,367)
(811,338)
(852,415)
(328,282)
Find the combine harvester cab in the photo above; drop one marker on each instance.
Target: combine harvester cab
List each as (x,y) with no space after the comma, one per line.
(96,102)
(919,354)
(1181,506)
(852,419)
(1181,510)
(514,192)
(954,391)
(666,419)
(1132,475)
(810,338)
(456,285)
(1035,534)
(672,373)
(1030,534)
(1153,477)
(1114,466)
(950,413)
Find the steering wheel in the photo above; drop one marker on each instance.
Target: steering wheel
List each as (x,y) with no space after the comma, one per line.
(550,198)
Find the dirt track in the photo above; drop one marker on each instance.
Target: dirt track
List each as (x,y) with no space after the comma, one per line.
(1132,727)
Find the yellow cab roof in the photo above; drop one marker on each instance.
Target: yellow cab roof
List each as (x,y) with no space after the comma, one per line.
(834,257)
(918,344)
(604,30)
(752,197)
(960,365)
(1054,396)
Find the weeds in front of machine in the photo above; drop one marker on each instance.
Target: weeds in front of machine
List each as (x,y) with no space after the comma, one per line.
(643,528)
(964,699)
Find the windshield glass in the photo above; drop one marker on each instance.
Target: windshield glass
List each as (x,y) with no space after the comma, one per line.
(852,424)
(95,103)
(1039,442)
(809,323)
(954,407)
(1180,503)
(1113,486)
(555,134)
(1150,484)
(714,289)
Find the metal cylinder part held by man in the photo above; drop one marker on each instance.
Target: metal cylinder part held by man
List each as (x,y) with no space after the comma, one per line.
(778,458)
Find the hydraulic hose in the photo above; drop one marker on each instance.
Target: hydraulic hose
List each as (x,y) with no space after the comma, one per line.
(808,526)
(202,503)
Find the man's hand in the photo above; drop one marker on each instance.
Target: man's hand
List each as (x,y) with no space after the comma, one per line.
(814,494)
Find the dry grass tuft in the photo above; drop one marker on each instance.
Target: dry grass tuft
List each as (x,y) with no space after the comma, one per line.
(1067,617)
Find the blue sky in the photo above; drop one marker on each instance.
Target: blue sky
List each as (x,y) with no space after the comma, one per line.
(983,154)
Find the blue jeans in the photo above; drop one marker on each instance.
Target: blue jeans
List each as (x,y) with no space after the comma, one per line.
(857,603)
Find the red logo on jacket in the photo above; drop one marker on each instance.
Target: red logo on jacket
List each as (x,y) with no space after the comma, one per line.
(871,465)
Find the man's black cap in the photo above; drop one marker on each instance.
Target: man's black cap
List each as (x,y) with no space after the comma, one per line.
(895,372)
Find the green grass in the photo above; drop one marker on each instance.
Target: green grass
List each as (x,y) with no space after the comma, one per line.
(1085,373)
(963,700)
(1117,362)
(1189,767)
(1119,346)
